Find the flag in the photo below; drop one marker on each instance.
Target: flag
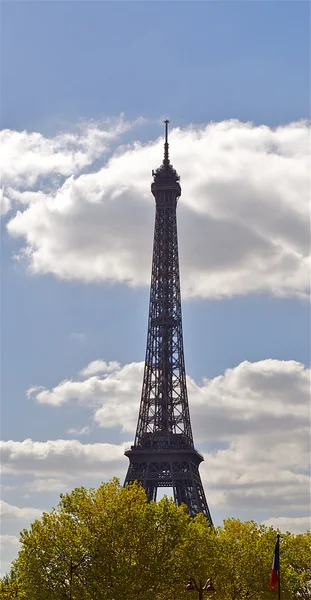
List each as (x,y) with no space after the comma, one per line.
(275,565)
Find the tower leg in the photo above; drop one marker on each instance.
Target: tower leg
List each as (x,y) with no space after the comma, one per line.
(182,476)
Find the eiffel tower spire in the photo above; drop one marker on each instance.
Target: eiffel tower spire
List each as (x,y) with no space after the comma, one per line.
(166,159)
(163,454)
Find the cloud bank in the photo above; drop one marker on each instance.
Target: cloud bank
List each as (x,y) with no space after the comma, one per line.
(252,423)
(9,511)
(292,524)
(66,459)
(243,215)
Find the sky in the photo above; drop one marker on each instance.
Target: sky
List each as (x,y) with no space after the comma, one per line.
(85,87)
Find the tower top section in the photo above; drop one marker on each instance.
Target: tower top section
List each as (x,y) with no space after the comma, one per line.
(165,177)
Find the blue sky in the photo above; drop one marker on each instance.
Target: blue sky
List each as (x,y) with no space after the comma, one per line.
(76,67)
(191,60)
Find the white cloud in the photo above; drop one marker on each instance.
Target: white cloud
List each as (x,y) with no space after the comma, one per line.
(68,460)
(25,157)
(116,392)
(252,424)
(69,390)
(8,540)
(9,511)
(243,216)
(79,430)
(242,477)
(45,486)
(266,396)
(293,524)
(99,366)
(5,204)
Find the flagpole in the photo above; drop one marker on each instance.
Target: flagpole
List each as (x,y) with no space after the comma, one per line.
(279,579)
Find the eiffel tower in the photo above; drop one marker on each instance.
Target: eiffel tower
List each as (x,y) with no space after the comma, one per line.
(163,454)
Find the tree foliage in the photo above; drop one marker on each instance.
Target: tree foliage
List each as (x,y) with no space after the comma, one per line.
(110,544)
(9,588)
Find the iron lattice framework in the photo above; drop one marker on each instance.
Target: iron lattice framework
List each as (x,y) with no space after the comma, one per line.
(163,454)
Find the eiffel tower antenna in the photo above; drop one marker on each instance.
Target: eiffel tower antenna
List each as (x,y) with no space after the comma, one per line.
(163,454)
(166,158)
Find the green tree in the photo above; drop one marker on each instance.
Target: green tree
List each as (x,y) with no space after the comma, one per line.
(9,588)
(110,544)
(244,558)
(102,544)
(244,562)
(296,566)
